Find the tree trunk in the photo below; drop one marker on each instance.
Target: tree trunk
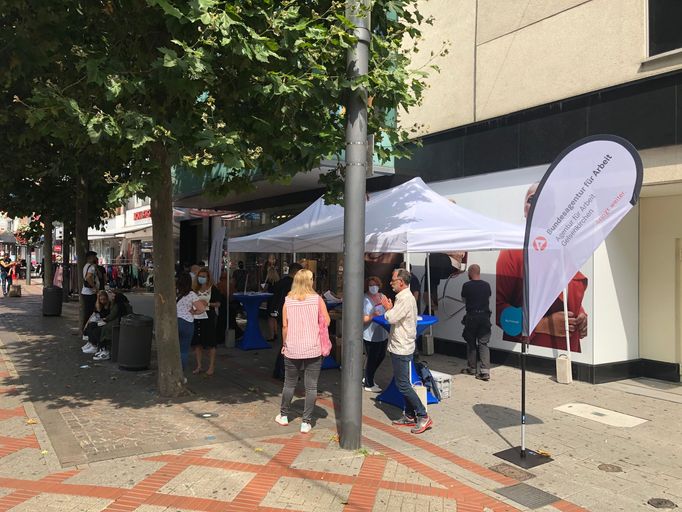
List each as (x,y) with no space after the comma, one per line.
(47,250)
(171,379)
(81,235)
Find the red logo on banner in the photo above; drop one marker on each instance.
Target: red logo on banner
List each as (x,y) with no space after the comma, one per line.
(540,243)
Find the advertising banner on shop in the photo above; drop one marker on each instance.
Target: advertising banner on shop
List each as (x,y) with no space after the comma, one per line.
(582,197)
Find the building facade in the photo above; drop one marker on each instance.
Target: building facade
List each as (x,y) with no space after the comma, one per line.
(522,81)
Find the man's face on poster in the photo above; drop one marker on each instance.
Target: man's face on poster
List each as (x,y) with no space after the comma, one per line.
(530,196)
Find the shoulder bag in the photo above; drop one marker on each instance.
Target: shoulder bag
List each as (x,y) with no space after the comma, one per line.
(325,342)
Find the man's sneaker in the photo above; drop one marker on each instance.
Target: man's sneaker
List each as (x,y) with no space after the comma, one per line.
(282,420)
(423,424)
(306,427)
(483,376)
(92,349)
(373,389)
(103,355)
(468,371)
(87,346)
(405,421)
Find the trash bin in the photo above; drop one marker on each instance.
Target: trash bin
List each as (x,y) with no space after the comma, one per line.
(52,301)
(135,342)
(114,343)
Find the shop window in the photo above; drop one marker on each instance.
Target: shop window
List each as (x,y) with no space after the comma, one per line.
(665,20)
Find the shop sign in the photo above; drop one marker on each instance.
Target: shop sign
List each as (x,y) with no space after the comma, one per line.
(142,215)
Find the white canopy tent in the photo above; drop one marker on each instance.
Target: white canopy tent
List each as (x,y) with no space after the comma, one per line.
(409,218)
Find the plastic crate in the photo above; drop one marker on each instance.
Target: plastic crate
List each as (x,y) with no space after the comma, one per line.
(444,383)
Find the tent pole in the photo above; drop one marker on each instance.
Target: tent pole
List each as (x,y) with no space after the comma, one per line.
(523,397)
(428,278)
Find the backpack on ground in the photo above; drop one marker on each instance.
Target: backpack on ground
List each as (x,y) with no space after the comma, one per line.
(427,379)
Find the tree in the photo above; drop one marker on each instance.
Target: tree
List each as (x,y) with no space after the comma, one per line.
(228,89)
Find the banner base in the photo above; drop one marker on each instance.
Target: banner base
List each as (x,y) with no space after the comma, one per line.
(531,460)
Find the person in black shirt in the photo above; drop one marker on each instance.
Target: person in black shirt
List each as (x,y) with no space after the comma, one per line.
(476,295)
(240,277)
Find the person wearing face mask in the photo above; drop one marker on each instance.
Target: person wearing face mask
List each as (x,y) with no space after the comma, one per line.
(204,323)
(374,336)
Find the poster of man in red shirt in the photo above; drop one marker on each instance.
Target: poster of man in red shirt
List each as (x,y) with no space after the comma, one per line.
(550,332)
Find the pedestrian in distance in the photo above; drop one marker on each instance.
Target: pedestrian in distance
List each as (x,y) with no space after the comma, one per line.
(90,287)
(205,322)
(476,295)
(187,305)
(6,267)
(401,345)
(271,280)
(92,331)
(374,336)
(302,349)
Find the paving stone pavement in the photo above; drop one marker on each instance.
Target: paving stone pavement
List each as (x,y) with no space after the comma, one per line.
(98,438)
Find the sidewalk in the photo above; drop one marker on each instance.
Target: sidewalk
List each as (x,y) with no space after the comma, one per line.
(97,438)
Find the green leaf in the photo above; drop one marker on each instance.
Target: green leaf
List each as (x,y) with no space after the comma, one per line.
(167,7)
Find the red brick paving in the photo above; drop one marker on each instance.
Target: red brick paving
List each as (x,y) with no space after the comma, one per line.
(364,486)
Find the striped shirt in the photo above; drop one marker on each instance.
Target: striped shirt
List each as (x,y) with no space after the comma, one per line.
(303,331)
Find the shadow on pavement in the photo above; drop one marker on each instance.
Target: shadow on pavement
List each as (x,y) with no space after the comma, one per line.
(498,417)
(94,411)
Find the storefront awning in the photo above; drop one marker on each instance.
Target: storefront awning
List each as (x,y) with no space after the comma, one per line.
(120,232)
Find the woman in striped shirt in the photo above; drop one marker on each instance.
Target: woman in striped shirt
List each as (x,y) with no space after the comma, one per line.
(301,346)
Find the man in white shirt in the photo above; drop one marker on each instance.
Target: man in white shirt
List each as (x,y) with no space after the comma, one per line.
(401,345)
(90,287)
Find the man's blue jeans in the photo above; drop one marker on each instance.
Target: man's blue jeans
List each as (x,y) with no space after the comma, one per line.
(6,282)
(401,374)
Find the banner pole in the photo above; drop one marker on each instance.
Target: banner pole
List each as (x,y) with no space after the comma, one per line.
(568,335)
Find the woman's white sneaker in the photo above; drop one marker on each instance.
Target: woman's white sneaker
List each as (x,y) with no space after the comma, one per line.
(92,349)
(306,427)
(282,420)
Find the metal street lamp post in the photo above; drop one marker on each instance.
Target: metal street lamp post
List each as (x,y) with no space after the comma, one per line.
(358,11)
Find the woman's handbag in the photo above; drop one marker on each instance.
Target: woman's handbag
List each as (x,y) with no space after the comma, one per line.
(325,342)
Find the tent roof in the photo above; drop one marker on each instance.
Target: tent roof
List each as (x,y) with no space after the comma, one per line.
(408,218)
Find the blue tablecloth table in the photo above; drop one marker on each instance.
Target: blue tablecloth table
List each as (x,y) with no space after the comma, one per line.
(252,339)
(391,395)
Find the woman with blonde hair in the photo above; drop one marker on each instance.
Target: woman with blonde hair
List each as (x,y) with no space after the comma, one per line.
(204,323)
(301,345)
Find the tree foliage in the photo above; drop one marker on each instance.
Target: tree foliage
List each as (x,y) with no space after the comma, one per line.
(256,87)
(233,90)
